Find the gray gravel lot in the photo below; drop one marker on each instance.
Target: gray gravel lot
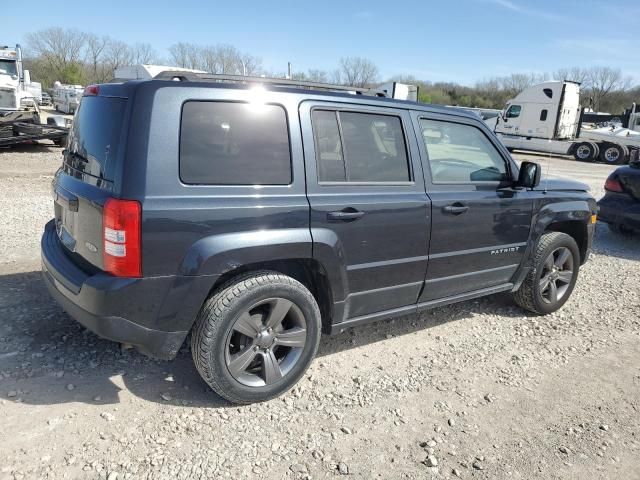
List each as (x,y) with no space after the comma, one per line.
(475,390)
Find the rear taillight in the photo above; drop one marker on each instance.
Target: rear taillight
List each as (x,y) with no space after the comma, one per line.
(91,90)
(613,185)
(121,221)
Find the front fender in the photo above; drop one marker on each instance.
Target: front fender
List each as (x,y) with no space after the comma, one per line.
(219,254)
(574,210)
(549,212)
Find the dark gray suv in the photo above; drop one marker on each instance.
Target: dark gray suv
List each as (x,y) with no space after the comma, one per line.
(256,215)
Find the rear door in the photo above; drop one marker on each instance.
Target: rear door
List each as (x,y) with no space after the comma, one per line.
(89,175)
(480,225)
(366,190)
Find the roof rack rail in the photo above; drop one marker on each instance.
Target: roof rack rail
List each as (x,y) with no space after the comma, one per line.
(282,82)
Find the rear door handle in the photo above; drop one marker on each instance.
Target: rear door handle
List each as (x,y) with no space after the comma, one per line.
(345,215)
(456,209)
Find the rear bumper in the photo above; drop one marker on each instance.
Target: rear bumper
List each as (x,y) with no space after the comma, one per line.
(620,209)
(137,311)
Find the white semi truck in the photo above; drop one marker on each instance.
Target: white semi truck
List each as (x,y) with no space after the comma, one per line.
(17,102)
(19,98)
(548,118)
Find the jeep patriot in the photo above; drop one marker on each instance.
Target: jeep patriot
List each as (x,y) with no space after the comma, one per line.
(256,215)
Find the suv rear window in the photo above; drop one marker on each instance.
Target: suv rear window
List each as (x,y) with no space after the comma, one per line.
(224,143)
(94,140)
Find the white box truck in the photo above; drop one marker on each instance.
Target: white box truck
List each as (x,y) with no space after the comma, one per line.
(547,118)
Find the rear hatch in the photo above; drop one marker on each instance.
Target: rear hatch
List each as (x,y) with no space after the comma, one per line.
(89,176)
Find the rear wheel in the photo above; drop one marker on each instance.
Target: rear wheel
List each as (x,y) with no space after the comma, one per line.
(256,336)
(585,152)
(612,154)
(550,282)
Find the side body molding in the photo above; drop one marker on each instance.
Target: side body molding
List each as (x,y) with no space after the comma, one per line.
(219,254)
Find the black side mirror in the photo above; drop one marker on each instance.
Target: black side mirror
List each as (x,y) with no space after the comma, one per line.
(530,173)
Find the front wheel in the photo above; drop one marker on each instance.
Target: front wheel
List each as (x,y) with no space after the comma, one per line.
(550,282)
(256,336)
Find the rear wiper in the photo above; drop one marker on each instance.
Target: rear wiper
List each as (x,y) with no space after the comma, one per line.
(74,155)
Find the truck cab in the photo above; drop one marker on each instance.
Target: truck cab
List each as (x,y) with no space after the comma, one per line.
(548,111)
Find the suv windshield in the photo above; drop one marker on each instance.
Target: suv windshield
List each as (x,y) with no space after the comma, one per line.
(94,140)
(8,67)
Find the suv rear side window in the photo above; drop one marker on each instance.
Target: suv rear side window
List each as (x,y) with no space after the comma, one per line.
(359,147)
(224,143)
(461,153)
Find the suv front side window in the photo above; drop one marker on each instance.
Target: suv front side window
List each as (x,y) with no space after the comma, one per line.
(460,153)
(360,147)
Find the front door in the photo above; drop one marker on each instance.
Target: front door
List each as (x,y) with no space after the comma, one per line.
(366,191)
(480,225)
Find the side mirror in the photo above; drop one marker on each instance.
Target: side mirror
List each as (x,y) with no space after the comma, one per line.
(530,173)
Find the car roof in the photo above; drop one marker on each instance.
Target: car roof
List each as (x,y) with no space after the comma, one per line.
(127,88)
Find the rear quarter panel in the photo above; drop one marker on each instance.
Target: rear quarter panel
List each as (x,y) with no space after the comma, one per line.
(208,229)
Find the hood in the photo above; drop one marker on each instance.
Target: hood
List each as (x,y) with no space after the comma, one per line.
(7,81)
(561,184)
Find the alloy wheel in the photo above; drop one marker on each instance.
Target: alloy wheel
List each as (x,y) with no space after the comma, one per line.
(612,155)
(265,342)
(583,152)
(557,274)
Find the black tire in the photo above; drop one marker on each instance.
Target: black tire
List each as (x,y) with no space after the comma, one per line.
(613,154)
(60,142)
(531,295)
(585,152)
(216,333)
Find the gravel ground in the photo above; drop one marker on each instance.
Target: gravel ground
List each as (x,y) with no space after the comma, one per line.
(475,390)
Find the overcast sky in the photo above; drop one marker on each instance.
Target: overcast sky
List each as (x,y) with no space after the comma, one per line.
(456,40)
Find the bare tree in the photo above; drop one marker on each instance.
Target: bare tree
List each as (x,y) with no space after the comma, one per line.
(117,54)
(604,81)
(517,82)
(357,71)
(228,60)
(574,74)
(185,55)
(319,76)
(57,45)
(59,53)
(250,65)
(94,55)
(143,53)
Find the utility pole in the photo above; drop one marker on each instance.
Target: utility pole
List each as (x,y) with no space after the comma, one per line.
(289,70)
